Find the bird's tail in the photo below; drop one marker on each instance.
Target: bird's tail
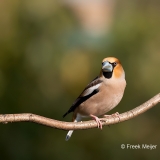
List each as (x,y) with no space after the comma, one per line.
(69,134)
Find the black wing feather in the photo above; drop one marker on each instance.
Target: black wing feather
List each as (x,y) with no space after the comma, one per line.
(81,99)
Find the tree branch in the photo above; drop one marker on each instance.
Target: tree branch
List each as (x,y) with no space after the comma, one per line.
(29,117)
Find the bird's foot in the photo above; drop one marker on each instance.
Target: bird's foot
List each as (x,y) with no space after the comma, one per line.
(106,116)
(114,115)
(99,123)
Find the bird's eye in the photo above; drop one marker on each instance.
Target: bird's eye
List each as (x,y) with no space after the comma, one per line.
(115,63)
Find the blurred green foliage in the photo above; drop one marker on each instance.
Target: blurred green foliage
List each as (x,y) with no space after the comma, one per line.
(45,62)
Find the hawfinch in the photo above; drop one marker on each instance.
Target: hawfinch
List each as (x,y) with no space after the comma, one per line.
(101,95)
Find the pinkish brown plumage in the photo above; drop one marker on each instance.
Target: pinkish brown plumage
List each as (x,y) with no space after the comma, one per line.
(101,95)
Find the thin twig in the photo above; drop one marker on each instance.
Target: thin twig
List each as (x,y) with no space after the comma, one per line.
(29,117)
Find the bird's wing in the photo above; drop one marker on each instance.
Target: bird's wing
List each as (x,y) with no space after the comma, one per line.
(89,91)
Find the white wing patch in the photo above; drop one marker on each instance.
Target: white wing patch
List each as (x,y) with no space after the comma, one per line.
(90,90)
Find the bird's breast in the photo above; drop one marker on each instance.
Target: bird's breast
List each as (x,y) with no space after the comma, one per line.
(106,99)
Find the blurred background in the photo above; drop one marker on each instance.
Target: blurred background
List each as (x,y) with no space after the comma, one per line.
(50,50)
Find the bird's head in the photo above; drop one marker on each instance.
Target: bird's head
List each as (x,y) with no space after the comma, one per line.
(112,68)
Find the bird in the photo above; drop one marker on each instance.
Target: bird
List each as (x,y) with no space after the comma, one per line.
(101,95)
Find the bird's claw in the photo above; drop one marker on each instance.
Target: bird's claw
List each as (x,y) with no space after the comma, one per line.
(99,123)
(114,115)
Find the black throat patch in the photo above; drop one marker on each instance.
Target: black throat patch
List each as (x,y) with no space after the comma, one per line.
(107,75)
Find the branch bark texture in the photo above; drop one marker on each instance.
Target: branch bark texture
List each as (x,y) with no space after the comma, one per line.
(29,117)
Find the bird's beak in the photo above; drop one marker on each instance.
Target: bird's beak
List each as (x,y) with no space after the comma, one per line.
(107,67)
